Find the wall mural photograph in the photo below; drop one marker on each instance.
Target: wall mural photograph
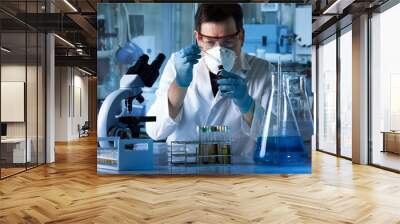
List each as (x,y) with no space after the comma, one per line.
(204,88)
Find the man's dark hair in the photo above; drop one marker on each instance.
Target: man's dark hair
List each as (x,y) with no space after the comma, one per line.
(218,13)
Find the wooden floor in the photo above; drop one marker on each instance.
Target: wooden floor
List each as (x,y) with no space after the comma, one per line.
(386,159)
(10,171)
(70,191)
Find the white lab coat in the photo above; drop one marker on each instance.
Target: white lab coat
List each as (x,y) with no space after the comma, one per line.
(201,108)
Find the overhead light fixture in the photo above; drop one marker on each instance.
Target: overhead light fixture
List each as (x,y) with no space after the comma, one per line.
(337,7)
(84,71)
(70,5)
(331,7)
(80,51)
(65,41)
(5,50)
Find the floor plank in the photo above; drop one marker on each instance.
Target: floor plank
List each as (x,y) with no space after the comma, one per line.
(70,191)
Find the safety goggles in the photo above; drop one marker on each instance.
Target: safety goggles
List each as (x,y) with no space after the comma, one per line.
(228,41)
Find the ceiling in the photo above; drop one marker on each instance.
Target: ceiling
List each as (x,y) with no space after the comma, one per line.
(77,23)
(330,15)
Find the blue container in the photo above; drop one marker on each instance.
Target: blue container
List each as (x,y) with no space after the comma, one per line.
(129,53)
(125,154)
(280,151)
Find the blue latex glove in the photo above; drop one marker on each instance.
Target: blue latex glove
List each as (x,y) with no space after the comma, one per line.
(234,86)
(184,61)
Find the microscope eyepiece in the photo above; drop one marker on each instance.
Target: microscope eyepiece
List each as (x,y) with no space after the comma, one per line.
(140,65)
(147,73)
(158,61)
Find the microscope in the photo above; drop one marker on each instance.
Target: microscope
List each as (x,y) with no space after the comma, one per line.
(120,117)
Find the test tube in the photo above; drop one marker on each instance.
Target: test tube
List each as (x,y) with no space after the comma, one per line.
(201,134)
(223,137)
(212,148)
(203,159)
(220,133)
(227,145)
(220,150)
(213,133)
(207,134)
(201,144)
(211,130)
(216,133)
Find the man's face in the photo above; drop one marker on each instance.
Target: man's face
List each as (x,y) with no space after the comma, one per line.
(223,34)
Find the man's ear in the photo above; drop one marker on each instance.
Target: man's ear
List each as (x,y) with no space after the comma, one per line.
(241,36)
(196,35)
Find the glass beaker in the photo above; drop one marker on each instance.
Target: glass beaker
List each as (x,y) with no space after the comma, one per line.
(297,94)
(279,142)
(300,104)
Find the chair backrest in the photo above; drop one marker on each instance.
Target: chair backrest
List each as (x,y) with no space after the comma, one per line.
(86,125)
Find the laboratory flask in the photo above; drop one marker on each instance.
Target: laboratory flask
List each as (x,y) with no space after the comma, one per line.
(279,141)
(297,94)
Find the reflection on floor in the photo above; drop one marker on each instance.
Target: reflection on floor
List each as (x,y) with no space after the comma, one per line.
(11,169)
(387,159)
(70,191)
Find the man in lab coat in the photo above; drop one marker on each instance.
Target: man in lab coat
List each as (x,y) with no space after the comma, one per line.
(192,94)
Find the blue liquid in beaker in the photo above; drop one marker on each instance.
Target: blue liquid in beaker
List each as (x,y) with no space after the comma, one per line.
(282,150)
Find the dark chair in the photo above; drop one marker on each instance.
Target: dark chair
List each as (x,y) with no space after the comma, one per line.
(84,130)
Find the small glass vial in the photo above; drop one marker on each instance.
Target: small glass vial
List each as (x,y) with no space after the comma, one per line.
(220,68)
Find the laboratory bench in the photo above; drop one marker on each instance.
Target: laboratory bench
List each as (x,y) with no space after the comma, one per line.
(158,159)
(162,165)
(217,170)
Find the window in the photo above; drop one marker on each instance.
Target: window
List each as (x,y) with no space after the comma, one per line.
(385,89)
(327,96)
(334,106)
(346,93)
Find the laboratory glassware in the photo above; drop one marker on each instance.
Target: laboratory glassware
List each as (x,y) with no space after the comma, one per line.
(301,108)
(279,141)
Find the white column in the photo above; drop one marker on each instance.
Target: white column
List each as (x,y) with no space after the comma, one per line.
(314,90)
(50,101)
(50,92)
(360,90)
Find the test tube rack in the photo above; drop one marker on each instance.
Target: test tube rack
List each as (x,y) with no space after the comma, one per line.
(199,153)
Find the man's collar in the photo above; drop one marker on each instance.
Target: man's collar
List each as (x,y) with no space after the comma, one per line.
(242,63)
(245,66)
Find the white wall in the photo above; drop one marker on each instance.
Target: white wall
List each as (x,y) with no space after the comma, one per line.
(70,83)
(61,103)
